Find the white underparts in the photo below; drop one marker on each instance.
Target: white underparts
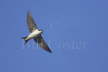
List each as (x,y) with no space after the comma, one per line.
(33,34)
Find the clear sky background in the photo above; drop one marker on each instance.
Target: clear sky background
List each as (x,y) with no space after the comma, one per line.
(75,30)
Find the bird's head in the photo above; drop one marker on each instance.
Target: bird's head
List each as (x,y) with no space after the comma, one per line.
(41,30)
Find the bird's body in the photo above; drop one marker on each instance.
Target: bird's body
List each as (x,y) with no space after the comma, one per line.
(35,33)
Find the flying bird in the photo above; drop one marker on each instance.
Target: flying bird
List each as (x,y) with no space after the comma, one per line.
(35,33)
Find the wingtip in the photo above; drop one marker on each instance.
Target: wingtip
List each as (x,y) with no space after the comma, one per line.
(29,13)
(50,51)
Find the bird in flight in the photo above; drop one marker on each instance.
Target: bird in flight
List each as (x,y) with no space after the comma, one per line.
(35,33)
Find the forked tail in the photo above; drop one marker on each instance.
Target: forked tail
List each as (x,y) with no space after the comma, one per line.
(25,39)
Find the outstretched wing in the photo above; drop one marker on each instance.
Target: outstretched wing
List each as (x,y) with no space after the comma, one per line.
(42,43)
(31,23)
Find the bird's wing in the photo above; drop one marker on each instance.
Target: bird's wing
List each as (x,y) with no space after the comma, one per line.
(42,43)
(30,22)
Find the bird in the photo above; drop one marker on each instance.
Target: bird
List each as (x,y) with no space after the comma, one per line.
(35,34)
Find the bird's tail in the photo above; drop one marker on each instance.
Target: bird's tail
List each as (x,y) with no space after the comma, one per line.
(25,39)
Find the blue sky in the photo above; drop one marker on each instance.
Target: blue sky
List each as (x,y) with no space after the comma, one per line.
(76,31)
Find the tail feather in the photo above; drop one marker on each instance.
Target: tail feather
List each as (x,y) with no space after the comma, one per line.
(25,39)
